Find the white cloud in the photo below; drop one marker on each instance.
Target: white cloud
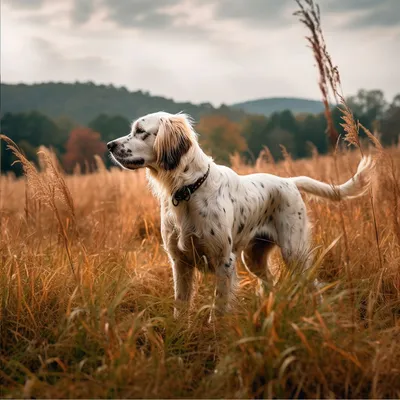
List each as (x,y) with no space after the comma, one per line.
(193,51)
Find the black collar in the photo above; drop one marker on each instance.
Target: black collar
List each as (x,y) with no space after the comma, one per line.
(185,192)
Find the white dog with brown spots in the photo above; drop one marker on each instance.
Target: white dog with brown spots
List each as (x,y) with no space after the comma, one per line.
(210,214)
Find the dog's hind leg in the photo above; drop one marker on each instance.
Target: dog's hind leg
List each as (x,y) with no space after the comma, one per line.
(294,241)
(225,286)
(255,257)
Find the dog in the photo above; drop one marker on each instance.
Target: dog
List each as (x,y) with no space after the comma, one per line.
(210,215)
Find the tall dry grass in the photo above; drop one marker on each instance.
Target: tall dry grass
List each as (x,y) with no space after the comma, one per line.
(86,295)
(86,290)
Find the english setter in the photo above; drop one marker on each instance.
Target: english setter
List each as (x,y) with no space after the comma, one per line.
(210,214)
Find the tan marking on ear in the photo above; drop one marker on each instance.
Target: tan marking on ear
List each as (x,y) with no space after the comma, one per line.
(174,139)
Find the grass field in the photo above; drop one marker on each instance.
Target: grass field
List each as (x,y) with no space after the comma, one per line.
(87,298)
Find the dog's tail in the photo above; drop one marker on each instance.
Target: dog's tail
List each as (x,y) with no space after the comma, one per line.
(354,187)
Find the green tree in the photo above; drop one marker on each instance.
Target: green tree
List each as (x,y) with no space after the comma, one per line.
(282,128)
(370,104)
(65,126)
(33,127)
(390,125)
(28,131)
(254,130)
(312,129)
(110,127)
(277,137)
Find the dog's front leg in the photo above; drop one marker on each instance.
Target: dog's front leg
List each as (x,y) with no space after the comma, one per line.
(182,267)
(225,283)
(183,285)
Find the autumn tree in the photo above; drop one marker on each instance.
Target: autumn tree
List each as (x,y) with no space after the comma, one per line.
(220,137)
(82,145)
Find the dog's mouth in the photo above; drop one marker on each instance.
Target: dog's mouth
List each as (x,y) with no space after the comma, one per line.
(133,163)
(128,163)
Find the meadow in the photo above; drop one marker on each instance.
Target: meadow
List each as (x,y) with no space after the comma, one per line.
(86,294)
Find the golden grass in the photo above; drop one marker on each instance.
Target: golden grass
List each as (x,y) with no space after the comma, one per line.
(86,291)
(86,296)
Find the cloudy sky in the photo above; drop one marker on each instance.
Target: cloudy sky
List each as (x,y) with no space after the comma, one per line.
(199,50)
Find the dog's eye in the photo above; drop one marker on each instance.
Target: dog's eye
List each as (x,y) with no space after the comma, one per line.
(140,130)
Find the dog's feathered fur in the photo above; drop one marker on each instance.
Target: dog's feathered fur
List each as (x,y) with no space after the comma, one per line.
(229,215)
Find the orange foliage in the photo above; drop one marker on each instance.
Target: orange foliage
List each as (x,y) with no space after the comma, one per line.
(220,137)
(82,145)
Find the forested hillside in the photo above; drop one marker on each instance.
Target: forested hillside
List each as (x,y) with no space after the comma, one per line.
(76,120)
(277,104)
(84,101)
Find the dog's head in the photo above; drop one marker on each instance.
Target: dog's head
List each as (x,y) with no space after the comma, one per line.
(158,141)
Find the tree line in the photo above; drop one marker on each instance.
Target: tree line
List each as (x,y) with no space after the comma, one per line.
(84,101)
(220,136)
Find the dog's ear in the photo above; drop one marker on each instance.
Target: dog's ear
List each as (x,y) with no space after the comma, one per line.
(174,139)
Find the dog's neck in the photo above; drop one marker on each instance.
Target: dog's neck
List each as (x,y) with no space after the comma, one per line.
(193,166)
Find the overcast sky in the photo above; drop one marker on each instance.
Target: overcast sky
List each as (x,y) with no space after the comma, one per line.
(199,50)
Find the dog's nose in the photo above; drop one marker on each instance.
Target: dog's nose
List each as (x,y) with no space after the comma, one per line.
(111,146)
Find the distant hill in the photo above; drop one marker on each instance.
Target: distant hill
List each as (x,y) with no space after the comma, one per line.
(276,104)
(83,102)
